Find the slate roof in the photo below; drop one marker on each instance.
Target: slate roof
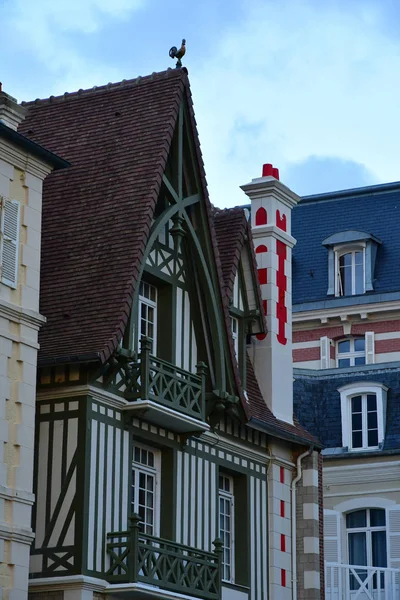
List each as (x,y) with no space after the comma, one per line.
(116,138)
(372,209)
(317,403)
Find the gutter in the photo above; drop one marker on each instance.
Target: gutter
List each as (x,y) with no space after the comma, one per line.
(293,520)
(278,432)
(39,151)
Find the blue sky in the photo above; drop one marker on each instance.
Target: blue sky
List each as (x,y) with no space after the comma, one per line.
(309,85)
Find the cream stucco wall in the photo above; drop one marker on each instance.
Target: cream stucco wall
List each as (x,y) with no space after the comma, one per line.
(21,177)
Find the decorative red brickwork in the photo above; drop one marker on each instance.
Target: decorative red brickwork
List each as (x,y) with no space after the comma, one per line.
(261,248)
(282,475)
(261,216)
(377,327)
(281,311)
(304,354)
(383,346)
(282,508)
(310,335)
(280,221)
(283,543)
(283,577)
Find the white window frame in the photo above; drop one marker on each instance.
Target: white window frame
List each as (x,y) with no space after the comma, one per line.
(368,529)
(228,497)
(144,300)
(351,354)
(154,471)
(235,335)
(340,251)
(349,391)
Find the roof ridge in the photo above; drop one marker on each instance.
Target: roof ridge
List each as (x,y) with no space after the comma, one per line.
(155,76)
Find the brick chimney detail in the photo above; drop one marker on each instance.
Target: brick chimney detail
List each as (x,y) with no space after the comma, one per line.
(271,206)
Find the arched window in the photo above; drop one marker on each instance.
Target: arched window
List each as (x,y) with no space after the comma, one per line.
(350,352)
(366,541)
(350,271)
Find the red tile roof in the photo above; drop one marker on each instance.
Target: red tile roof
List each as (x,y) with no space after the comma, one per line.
(117,139)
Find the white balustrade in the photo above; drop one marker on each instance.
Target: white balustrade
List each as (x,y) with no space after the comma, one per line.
(353,582)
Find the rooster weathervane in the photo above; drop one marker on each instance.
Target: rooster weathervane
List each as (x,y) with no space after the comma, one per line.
(175,53)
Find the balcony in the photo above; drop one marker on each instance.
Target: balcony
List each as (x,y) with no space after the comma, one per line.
(147,562)
(167,395)
(352,582)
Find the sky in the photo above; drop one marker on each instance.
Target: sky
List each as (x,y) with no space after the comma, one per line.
(311,86)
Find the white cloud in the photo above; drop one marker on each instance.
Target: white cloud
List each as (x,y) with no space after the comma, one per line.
(46,29)
(298,79)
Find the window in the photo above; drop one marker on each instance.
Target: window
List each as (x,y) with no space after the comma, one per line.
(148,313)
(144,498)
(366,538)
(363,410)
(350,272)
(351,352)
(364,421)
(226,525)
(351,262)
(235,334)
(9,241)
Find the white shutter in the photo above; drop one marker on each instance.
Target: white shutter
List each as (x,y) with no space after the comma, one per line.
(332,551)
(9,242)
(393,529)
(332,520)
(325,352)
(369,347)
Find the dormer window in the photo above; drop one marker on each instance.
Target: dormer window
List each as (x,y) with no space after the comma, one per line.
(363,408)
(350,271)
(351,262)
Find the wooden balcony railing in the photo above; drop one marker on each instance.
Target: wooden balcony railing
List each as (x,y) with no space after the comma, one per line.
(151,378)
(138,557)
(352,582)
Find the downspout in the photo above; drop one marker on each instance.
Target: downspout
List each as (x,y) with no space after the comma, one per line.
(294,523)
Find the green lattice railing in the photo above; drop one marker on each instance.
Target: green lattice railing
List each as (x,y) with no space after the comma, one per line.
(151,378)
(138,557)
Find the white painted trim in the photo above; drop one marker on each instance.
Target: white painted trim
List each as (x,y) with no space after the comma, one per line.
(360,493)
(390,335)
(351,389)
(368,502)
(304,345)
(343,312)
(21,315)
(24,160)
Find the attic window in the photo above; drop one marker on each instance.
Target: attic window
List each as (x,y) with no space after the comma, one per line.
(351,262)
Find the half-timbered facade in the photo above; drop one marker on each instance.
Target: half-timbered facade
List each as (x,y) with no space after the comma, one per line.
(346,324)
(161,468)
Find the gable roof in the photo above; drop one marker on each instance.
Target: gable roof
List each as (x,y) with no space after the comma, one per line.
(117,139)
(371,210)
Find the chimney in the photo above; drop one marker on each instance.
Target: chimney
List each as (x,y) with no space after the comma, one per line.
(11,113)
(271,207)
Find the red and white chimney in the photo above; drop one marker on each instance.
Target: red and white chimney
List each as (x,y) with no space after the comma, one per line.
(271,207)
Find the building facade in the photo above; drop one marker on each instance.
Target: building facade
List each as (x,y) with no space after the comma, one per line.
(346,351)
(23,166)
(168,461)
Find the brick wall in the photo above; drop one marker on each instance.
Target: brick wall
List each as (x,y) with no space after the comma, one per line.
(308,531)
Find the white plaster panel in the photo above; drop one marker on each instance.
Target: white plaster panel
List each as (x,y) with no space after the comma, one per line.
(28,333)
(310,511)
(280,559)
(33,238)
(27,415)
(22,514)
(24,478)
(30,257)
(278,592)
(282,491)
(311,580)
(311,545)
(28,354)
(3,366)
(32,279)
(6,169)
(26,393)
(5,346)
(33,182)
(3,434)
(19,554)
(28,372)
(279,524)
(78,594)
(310,478)
(31,218)
(309,364)
(387,357)
(30,298)
(35,199)
(5,292)
(4,186)
(21,577)
(24,436)
(230,594)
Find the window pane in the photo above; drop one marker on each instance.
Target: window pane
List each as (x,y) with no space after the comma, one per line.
(379,554)
(372,420)
(359,279)
(359,360)
(356,422)
(356,404)
(378,518)
(371,402)
(345,260)
(357,439)
(344,362)
(359,345)
(356,519)
(357,548)
(372,438)
(344,346)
